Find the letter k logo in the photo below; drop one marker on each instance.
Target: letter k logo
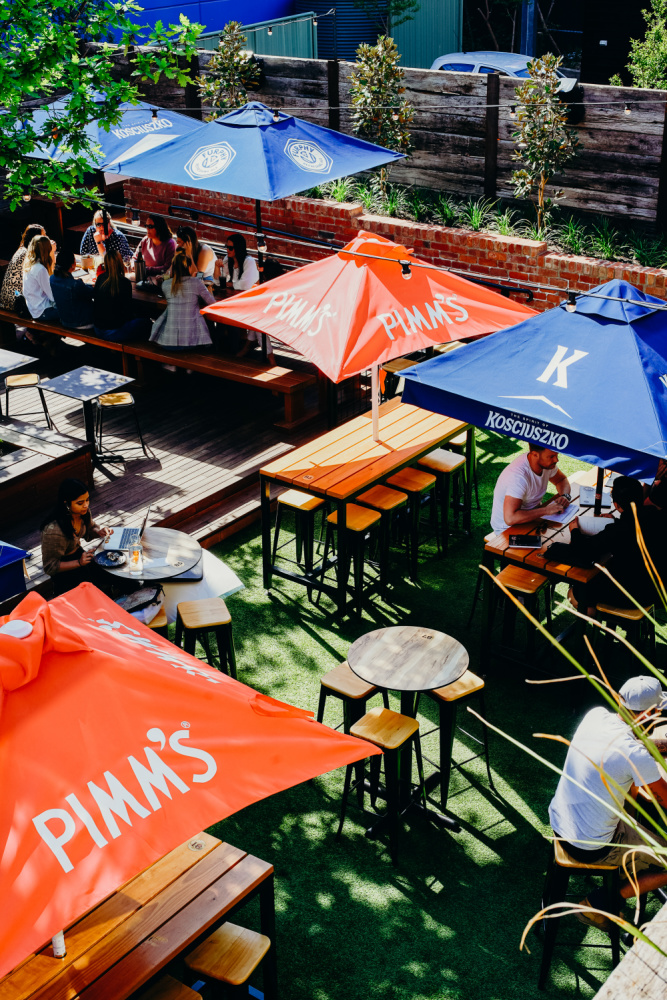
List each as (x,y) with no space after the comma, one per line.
(559,364)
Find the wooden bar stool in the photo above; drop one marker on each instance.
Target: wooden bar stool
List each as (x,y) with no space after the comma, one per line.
(388,502)
(359,521)
(168,988)
(229,956)
(446,465)
(28,380)
(390,731)
(160,623)
(343,683)
(638,627)
(459,443)
(199,618)
(561,866)
(527,585)
(112,401)
(416,483)
(447,699)
(305,508)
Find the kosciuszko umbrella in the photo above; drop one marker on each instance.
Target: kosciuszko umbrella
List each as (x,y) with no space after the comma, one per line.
(116,746)
(353,311)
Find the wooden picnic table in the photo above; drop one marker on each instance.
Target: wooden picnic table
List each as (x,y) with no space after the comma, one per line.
(132,935)
(345,462)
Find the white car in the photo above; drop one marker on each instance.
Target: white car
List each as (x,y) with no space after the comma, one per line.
(505,63)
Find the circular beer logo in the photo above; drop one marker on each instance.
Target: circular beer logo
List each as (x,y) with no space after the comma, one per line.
(209,161)
(308,156)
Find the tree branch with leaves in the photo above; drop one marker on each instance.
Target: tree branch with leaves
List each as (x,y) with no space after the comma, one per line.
(231,69)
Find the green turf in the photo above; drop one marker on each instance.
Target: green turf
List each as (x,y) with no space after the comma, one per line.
(447,921)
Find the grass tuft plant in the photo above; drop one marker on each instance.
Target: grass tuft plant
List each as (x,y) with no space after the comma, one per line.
(476,214)
(343,189)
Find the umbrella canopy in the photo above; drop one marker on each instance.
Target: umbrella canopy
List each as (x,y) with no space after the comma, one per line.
(352,310)
(139,130)
(248,153)
(591,383)
(116,746)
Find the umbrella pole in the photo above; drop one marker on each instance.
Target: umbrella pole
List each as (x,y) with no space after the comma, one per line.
(597,510)
(375,391)
(260,263)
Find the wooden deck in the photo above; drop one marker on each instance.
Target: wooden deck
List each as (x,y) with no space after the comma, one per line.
(209,439)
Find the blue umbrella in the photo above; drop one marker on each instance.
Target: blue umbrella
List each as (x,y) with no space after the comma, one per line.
(590,382)
(255,153)
(142,127)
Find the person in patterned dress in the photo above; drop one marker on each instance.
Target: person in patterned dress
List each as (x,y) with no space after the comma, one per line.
(97,239)
(13,280)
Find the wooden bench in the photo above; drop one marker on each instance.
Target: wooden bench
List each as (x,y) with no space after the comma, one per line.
(284,381)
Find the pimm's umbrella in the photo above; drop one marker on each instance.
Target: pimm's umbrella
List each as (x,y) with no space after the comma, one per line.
(116,746)
(591,383)
(352,311)
(142,127)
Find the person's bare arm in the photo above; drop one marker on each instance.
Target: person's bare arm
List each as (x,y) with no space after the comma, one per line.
(514,514)
(659,789)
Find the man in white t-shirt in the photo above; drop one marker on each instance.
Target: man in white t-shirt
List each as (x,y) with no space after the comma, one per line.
(521,486)
(581,813)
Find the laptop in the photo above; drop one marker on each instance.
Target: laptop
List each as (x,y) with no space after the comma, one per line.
(122,538)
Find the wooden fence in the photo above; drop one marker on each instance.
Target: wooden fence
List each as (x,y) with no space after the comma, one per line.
(463,147)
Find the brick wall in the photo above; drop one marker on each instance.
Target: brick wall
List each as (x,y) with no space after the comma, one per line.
(502,258)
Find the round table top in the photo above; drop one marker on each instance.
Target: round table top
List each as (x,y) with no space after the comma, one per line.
(408,658)
(167,553)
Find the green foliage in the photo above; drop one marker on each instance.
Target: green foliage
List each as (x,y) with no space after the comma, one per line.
(605,241)
(504,223)
(394,202)
(572,235)
(445,210)
(648,55)
(230,70)
(545,143)
(47,49)
(379,112)
(364,193)
(388,14)
(648,250)
(343,189)
(476,214)
(419,205)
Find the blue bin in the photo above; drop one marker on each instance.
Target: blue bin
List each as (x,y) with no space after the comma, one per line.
(12,579)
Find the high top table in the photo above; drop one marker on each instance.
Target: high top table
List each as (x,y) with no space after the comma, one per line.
(345,462)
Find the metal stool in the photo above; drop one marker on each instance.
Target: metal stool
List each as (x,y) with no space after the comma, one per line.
(343,683)
(116,401)
(390,731)
(305,508)
(459,443)
(229,956)
(27,380)
(416,483)
(359,521)
(197,619)
(445,465)
(561,866)
(638,627)
(447,699)
(168,988)
(388,502)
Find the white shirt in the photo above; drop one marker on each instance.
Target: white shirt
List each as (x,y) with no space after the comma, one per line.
(249,277)
(604,739)
(37,290)
(519,481)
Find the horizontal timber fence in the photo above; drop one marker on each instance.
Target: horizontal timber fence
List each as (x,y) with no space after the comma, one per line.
(503,259)
(464,147)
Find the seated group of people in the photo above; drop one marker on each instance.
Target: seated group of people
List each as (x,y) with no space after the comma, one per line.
(181,264)
(517,496)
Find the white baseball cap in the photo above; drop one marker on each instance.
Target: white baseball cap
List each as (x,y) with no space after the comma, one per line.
(641,693)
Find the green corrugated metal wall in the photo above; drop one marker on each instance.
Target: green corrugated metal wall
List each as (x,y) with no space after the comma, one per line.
(435,30)
(291,36)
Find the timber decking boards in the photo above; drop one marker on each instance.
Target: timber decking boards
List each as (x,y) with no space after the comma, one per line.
(206,435)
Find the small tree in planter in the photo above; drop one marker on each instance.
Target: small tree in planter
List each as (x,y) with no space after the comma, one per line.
(380,114)
(230,71)
(545,143)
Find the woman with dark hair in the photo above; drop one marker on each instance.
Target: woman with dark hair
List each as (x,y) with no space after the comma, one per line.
(102,237)
(113,314)
(203,256)
(74,298)
(13,280)
(182,325)
(157,248)
(239,272)
(68,524)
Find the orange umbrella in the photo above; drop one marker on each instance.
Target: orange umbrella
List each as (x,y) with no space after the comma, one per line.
(115,746)
(352,311)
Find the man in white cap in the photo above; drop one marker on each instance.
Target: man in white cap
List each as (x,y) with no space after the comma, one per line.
(581,813)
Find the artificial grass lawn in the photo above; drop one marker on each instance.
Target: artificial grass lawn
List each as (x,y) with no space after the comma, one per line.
(447,921)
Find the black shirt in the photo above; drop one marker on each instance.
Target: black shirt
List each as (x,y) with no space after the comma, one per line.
(111,311)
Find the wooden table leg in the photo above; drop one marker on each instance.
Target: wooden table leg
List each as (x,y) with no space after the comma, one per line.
(267,911)
(265,501)
(295,406)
